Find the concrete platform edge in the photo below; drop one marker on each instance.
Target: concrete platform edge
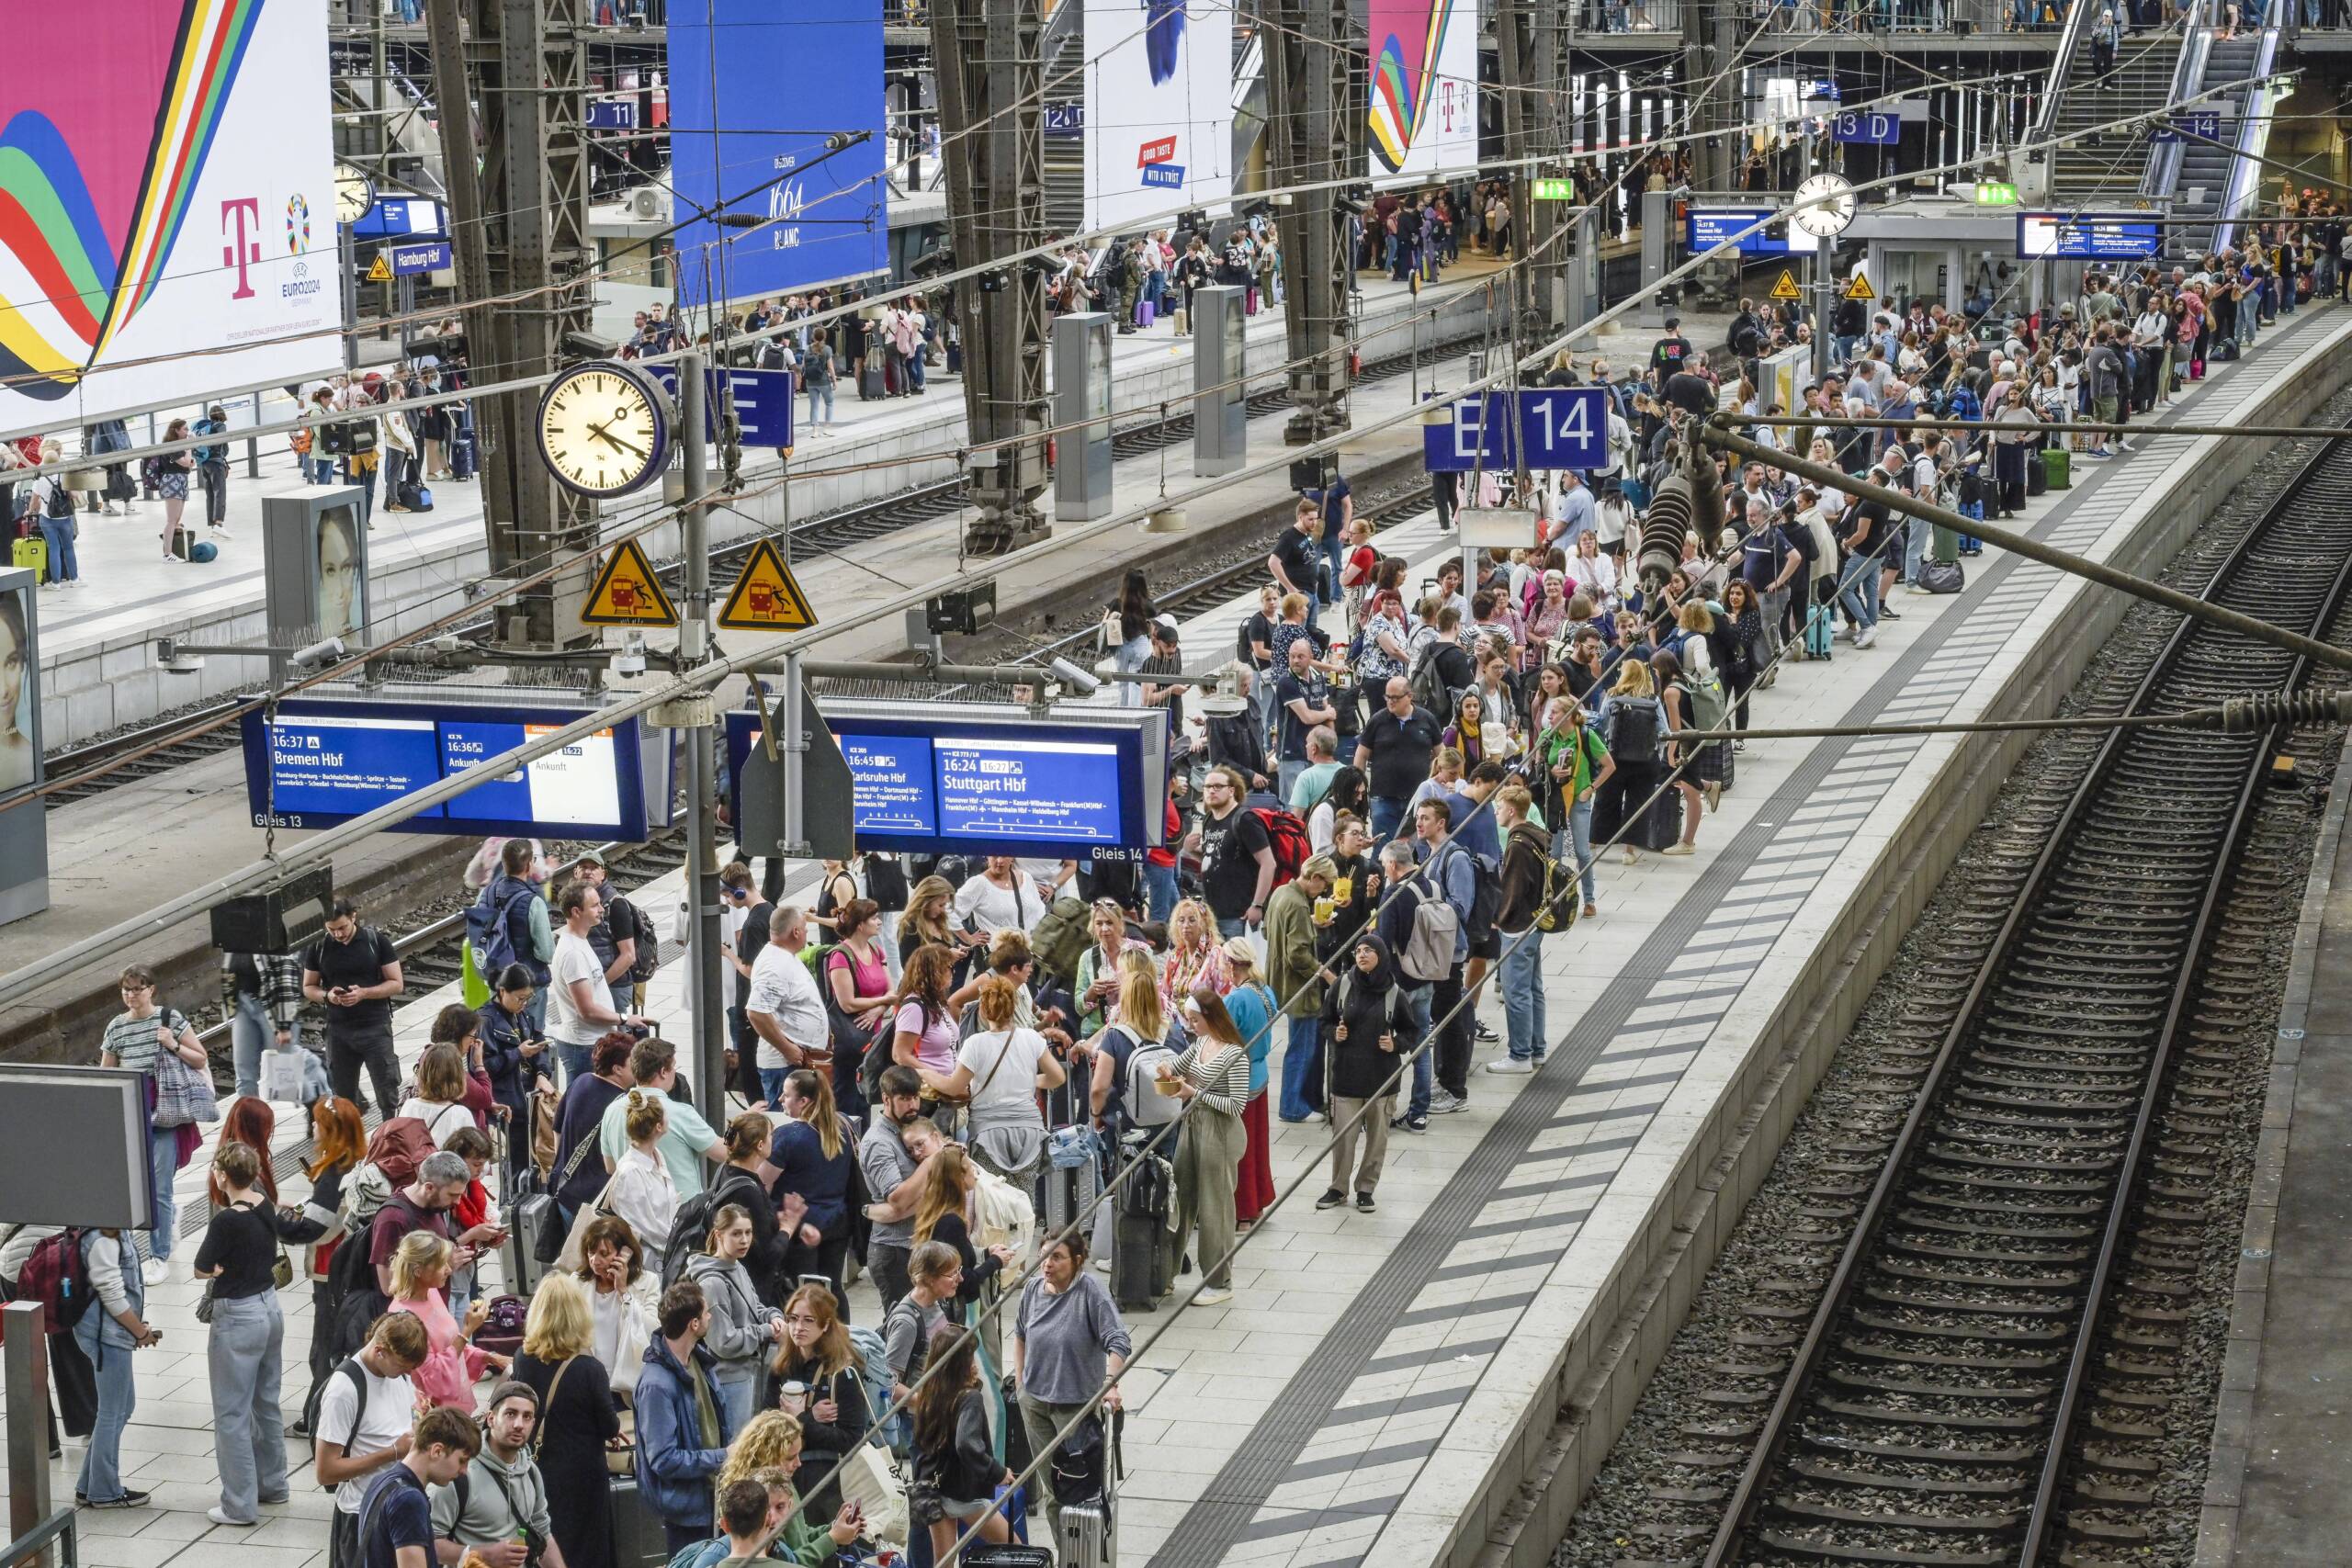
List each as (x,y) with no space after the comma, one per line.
(2227,1451)
(1540,1473)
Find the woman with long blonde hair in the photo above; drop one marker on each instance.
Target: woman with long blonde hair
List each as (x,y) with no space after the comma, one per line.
(578,1422)
(1193,959)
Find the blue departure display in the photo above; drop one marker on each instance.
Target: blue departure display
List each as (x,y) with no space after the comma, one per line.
(325,761)
(958,785)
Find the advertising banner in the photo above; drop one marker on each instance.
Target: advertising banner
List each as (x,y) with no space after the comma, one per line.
(166,204)
(737,140)
(1424,110)
(1159,118)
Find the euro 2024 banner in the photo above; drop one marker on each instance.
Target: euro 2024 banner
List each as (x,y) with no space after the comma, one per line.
(755,88)
(1158,107)
(1424,110)
(166,204)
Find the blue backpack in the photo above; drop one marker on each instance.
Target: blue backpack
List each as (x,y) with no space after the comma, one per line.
(490,929)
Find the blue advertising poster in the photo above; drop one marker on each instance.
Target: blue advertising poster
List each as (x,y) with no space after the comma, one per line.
(732,131)
(1711,226)
(327,760)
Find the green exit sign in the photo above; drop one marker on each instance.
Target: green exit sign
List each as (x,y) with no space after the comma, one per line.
(1996,193)
(1555,190)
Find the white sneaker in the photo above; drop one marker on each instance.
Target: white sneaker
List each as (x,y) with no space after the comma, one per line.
(220,1516)
(1442,1103)
(1510,1065)
(1866,636)
(1212,1297)
(1103,1263)
(156,1271)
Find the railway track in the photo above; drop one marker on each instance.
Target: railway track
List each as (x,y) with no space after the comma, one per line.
(828,533)
(2002,1241)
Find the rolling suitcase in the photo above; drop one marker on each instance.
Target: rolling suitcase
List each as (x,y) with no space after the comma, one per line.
(638,1537)
(464,461)
(1084,1539)
(981,1555)
(1143,1266)
(869,380)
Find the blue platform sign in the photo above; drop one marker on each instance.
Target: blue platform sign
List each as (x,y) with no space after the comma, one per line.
(1710,226)
(730,133)
(1817,89)
(1874,128)
(319,761)
(613,114)
(2206,123)
(762,402)
(411,261)
(2089,236)
(1560,427)
(1065,120)
(399,217)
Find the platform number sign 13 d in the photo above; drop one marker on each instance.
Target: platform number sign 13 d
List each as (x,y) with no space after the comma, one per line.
(1870,126)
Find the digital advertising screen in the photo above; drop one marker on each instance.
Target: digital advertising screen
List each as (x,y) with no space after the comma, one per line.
(319,763)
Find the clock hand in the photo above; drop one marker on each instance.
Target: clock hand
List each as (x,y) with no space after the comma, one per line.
(609,439)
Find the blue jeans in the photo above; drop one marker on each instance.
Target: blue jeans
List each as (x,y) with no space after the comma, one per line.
(772,1085)
(118,1396)
(246,1356)
(1388,813)
(1858,593)
(824,394)
(1523,980)
(1158,891)
(1578,837)
(318,470)
(1915,549)
(578,1061)
(1302,1070)
(1236,927)
(741,1399)
(1334,553)
(1285,775)
(59,532)
(162,1160)
(250,1033)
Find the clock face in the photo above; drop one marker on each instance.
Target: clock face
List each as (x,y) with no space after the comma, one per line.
(603,428)
(355,193)
(1829,206)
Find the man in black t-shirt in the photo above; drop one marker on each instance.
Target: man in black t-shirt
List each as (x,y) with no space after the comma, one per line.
(1298,559)
(355,971)
(1393,754)
(1236,859)
(1673,351)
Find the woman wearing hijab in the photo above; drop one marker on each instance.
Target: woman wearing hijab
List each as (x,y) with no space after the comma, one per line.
(1368,1027)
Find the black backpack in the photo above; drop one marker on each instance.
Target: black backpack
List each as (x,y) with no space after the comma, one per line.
(1632,733)
(58,506)
(1081,1465)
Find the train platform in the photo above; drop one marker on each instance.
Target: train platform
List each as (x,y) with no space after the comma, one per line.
(1433,1383)
(96,639)
(2274,1490)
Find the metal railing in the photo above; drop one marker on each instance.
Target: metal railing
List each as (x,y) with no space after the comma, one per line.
(2254,135)
(56,1532)
(2062,69)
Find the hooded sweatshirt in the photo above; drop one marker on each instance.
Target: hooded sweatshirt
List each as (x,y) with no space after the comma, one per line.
(1367,1005)
(1525,852)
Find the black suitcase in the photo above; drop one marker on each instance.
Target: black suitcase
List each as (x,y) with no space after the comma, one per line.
(638,1537)
(1012,1554)
(869,380)
(2037,474)
(1143,1262)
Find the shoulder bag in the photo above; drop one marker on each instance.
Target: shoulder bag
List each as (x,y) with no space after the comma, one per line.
(184,1094)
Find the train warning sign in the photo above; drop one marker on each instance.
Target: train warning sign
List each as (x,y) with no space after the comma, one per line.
(765,597)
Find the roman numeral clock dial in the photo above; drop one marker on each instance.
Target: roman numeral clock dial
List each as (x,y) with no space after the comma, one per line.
(604,428)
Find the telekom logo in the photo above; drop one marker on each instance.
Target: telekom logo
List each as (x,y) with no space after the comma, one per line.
(242,252)
(1446,88)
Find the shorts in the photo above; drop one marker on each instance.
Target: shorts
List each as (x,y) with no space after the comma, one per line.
(930,1509)
(2103,410)
(1488,947)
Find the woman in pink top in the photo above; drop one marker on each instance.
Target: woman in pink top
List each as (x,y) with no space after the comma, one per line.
(420,1269)
(926,1036)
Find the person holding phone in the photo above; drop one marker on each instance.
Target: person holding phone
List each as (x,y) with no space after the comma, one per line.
(355,972)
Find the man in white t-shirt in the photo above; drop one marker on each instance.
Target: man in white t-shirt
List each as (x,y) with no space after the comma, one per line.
(785,1009)
(579,1003)
(364,1423)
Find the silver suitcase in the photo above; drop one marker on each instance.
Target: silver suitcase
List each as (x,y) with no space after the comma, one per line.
(1085,1538)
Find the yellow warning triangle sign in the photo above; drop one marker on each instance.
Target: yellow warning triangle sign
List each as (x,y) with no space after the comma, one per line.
(765,597)
(627,594)
(382,271)
(1860,287)
(1786,288)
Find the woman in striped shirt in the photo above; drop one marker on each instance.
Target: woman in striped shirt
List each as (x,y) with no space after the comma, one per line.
(1211,1076)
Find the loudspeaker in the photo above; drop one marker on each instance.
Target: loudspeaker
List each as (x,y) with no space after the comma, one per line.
(288,915)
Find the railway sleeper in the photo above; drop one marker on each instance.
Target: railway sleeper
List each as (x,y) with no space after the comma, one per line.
(1953,1486)
(1836,1552)
(1943,1147)
(1955,1303)
(1968,1173)
(1973,1421)
(2070,1283)
(2028,1211)
(2010,1231)
(1876,1384)
(1799,1508)
(1926,1250)
(1835,1444)
(1981,1361)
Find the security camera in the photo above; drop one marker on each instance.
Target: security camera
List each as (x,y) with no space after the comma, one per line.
(317,656)
(629,657)
(1084,682)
